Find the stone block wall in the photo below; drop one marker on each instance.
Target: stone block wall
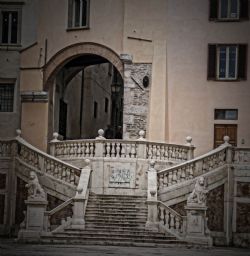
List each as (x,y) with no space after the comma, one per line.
(136,99)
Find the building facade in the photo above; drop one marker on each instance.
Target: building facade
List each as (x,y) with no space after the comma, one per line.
(181,65)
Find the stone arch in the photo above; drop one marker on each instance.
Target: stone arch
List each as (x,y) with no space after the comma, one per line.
(72,51)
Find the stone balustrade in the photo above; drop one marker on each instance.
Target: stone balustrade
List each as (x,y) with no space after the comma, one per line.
(195,167)
(170,220)
(5,148)
(241,155)
(100,147)
(45,163)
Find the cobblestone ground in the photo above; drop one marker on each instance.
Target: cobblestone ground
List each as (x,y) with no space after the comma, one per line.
(10,248)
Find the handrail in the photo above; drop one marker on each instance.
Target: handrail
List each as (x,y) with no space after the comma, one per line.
(193,168)
(59,207)
(241,155)
(46,163)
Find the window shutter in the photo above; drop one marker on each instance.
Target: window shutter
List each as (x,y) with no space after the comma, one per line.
(213,9)
(244,12)
(242,62)
(211,70)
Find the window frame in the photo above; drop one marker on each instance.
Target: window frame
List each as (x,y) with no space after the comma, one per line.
(228,18)
(224,111)
(11,8)
(71,16)
(227,62)
(13,85)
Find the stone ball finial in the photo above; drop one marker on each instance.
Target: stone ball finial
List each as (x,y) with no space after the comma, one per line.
(18,132)
(100,134)
(189,140)
(152,163)
(226,139)
(87,162)
(141,135)
(55,135)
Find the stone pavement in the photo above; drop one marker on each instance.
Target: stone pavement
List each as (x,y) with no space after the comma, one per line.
(10,248)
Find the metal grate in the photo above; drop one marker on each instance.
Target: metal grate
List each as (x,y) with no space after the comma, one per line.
(6,97)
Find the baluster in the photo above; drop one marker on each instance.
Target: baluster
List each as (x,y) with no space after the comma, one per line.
(171,221)
(183,174)
(167,219)
(87,150)
(133,151)
(191,171)
(67,178)
(170,178)
(78,149)
(117,149)
(173,153)
(128,150)
(165,180)
(170,152)
(154,152)
(75,149)
(166,153)
(72,177)
(91,149)
(161,215)
(161,181)
(123,150)
(52,167)
(162,153)
(174,180)
(71,150)
(112,149)
(63,174)
(177,224)
(179,175)
(56,171)
(108,149)
(150,151)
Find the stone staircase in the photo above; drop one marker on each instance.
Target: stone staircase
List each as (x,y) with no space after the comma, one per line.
(115,220)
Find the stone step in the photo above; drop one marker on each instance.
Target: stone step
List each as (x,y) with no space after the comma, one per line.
(111,208)
(93,233)
(115,218)
(116,215)
(92,241)
(141,232)
(109,228)
(127,205)
(129,197)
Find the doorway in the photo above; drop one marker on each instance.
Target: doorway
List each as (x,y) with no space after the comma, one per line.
(221,130)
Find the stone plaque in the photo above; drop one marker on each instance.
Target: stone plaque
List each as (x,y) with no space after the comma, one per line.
(121,175)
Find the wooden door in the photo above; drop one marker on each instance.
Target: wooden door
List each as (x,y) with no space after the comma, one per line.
(221,130)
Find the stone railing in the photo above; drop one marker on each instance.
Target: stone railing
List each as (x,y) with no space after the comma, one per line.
(45,163)
(48,215)
(79,203)
(5,148)
(241,155)
(195,167)
(100,147)
(170,220)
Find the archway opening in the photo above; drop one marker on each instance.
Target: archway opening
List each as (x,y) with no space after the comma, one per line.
(87,95)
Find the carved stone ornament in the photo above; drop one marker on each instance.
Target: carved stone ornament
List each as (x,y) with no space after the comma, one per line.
(199,194)
(35,191)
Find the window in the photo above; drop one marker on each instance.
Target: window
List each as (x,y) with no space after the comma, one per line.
(106,105)
(227,62)
(95,109)
(10,25)
(6,97)
(226,114)
(78,14)
(228,10)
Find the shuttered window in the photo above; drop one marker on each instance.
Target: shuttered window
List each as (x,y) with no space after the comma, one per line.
(228,10)
(227,62)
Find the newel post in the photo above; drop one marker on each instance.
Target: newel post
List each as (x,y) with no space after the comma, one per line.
(190,154)
(141,149)
(99,145)
(52,148)
(152,220)
(229,153)
(81,197)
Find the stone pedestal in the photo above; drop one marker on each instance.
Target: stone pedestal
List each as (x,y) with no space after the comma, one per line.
(78,221)
(197,230)
(33,224)
(152,221)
